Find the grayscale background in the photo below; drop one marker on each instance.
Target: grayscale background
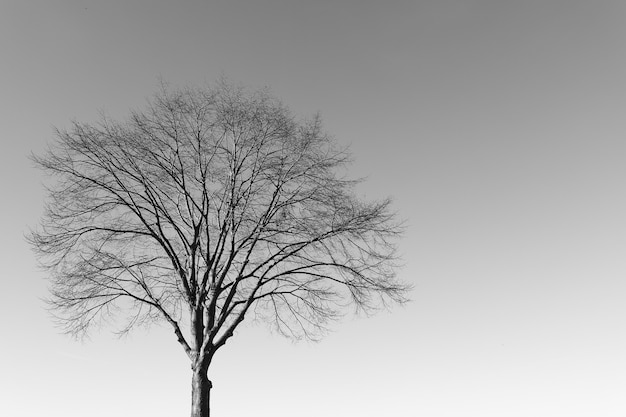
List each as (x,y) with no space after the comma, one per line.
(499,127)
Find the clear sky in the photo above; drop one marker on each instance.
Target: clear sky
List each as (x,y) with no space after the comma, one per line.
(497,125)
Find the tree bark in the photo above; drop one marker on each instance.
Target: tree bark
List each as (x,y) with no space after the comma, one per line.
(200,393)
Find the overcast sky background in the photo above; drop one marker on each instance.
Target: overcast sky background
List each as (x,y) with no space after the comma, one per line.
(499,128)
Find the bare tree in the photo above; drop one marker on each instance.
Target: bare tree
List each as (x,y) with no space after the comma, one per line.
(211,206)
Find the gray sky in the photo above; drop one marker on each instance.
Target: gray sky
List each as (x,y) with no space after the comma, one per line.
(498,127)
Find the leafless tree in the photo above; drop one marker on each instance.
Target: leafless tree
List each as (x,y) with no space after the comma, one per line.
(211,206)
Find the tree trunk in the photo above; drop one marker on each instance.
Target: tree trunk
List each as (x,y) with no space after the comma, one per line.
(200,391)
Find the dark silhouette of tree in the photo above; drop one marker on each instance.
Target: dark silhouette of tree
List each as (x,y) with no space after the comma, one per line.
(210,206)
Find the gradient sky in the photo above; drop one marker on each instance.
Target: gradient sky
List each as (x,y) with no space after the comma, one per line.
(498,127)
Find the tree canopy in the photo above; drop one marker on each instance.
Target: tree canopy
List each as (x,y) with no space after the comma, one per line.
(209,206)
